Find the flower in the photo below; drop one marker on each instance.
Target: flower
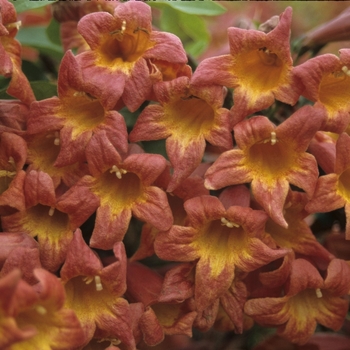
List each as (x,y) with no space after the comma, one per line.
(327,83)
(95,292)
(121,45)
(259,68)
(186,117)
(35,317)
(77,115)
(309,299)
(122,187)
(10,53)
(333,190)
(270,158)
(49,217)
(219,240)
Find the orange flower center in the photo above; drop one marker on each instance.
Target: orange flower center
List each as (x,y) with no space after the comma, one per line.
(334,91)
(123,47)
(260,70)
(344,184)
(7,175)
(82,112)
(189,117)
(118,192)
(271,158)
(45,221)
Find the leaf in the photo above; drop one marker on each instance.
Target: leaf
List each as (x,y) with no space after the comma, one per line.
(53,32)
(25,5)
(43,89)
(37,38)
(206,8)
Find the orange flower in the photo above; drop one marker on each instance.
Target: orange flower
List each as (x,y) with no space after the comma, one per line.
(333,190)
(270,158)
(220,240)
(326,81)
(186,117)
(258,68)
(35,317)
(121,46)
(309,299)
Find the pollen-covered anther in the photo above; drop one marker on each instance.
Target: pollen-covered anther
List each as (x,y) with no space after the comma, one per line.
(120,32)
(14,25)
(118,172)
(40,310)
(272,139)
(346,70)
(318,293)
(98,283)
(51,211)
(227,223)
(88,279)
(56,141)
(5,173)
(113,341)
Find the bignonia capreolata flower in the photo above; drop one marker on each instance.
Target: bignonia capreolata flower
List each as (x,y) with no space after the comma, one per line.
(222,210)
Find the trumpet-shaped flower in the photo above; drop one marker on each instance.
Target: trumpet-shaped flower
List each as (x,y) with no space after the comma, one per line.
(333,190)
(186,117)
(270,158)
(259,68)
(123,187)
(121,46)
(50,218)
(10,54)
(220,240)
(95,292)
(77,114)
(326,81)
(35,317)
(309,299)
(13,153)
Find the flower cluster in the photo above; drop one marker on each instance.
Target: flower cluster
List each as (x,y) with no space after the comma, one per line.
(223,211)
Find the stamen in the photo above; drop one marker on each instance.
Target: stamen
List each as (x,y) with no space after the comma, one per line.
(6,173)
(119,32)
(227,223)
(142,29)
(40,310)
(88,279)
(318,293)
(56,141)
(14,25)
(273,138)
(113,341)
(51,211)
(98,283)
(12,162)
(118,172)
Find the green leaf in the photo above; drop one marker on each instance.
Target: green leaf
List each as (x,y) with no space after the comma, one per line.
(25,5)
(53,32)
(206,8)
(43,89)
(37,38)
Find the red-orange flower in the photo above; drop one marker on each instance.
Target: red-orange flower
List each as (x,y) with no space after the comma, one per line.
(309,299)
(259,68)
(186,118)
(333,190)
(76,116)
(123,187)
(95,292)
(35,317)
(220,240)
(121,45)
(10,54)
(270,158)
(326,81)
